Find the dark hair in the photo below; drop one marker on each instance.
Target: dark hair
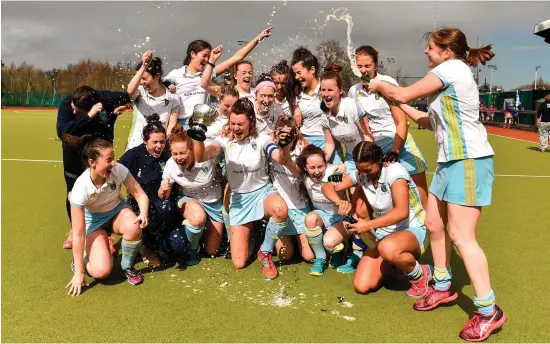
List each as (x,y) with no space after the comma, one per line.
(332,71)
(306,57)
(85,98)
(243,106)
(455,40)
(280,68)
(287,121)
(153,126)
(367,50)
(310,150)
(228,90)
(195,47)
(155,67)
(93,147)
(264,77)
(180,135)
(241,62)
(367,152)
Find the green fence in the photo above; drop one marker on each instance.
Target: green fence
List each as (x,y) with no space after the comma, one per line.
(32,99)
(528,98)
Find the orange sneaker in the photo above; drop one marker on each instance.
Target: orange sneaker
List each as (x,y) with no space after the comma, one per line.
(269,269)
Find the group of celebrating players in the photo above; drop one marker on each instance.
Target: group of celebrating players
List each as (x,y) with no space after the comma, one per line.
(336,176)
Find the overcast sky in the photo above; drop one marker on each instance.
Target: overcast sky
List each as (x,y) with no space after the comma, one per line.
(54,34)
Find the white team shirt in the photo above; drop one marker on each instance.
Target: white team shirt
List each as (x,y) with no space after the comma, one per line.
(343,126)
(266,124)
(251,96)
(188,87)
(316,194)
(287,184)
(381,121)
(198,183)
(145,105)
(312,115)
(454,114)
(99,200)
(246,162)
(215,128)
(285,107)
(381,201)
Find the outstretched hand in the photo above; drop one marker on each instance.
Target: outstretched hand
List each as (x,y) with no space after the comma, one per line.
(264,34)
(216,53)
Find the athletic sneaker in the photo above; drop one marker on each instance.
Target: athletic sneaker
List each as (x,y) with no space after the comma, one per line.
(419,287)
(434,298)
(68,244)
(337,259)
(269,269)
(133,276)
(318,267)
(112,246)
(480,326)
(192,258)
(350,266)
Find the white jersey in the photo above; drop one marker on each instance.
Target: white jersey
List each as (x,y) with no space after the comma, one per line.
(246,161)
(188,87)
(99,200)
(266,124)
(312,115)
(199,183)
(316,194)
(381,201)
(251,96)
(287,184)
(145,105)
(215,128)
(343,126)
(381,121)
(285,107)
(454,114)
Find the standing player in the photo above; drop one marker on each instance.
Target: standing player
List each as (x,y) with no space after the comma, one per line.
(186,81)
(280,73)
(151,97)
(201,203)
(96,208)
(85,113)
(387,122)
(543,120)
(252,196)
(463,180)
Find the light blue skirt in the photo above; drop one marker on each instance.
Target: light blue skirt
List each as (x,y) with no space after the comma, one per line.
(410,157)
(329,219)
(184,123)
(296,221)
(248,207)
(212,209)
(99,220)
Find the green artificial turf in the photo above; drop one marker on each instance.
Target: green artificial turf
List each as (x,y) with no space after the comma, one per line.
(212,302)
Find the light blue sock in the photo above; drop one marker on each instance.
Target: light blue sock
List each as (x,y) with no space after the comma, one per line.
(194,234)
(442,278)
(225,216)
(486,305)
(272,231)
(315,240)
(129,252)
(416,273)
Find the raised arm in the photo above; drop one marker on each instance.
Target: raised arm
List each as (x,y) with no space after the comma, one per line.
(243,52)
(204,153)
(134,83)
(206,80)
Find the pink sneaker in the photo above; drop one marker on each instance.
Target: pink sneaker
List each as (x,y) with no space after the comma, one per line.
(435,298)
(419,287)
(133,276)
(480,326)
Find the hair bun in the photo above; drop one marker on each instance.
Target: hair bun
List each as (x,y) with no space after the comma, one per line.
(333,67)
(283,63)
(153,118)
(178,128)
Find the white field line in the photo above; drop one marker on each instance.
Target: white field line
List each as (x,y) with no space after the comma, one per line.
(496,175)
(513,138)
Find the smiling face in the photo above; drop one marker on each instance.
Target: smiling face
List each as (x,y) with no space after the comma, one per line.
(150,83)
(243,75)
(156,144)
(224,109)
(370,169)
(199,60)
(331,93)
(366,65)
(239,124)
(315,167)
(303,75)
(280,83)
(265,97)
(436,55)
(104,163)
(182,155)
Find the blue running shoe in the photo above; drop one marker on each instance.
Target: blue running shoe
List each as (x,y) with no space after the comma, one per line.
(318,267)
(350,266)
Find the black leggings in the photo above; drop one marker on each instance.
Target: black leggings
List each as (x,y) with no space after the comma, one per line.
(72,169)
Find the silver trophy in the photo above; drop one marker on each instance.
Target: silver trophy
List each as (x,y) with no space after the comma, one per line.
(203,116)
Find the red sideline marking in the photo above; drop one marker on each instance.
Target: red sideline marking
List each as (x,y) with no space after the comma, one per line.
(513,133)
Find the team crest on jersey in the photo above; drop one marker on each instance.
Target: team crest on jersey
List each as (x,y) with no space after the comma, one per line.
(254,145)
(346,119)
(112,186)
(376,96)
(384,187)
(162,165)
(204,168)
(166,102)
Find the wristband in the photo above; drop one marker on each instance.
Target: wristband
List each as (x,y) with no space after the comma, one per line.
(211,64)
